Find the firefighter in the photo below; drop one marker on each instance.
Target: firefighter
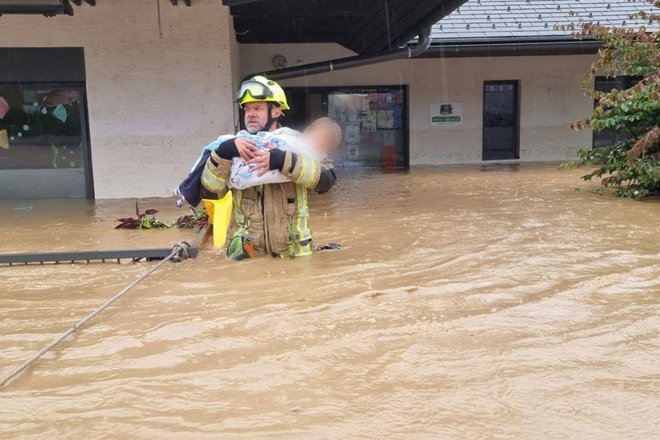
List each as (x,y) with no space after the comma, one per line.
(270,219)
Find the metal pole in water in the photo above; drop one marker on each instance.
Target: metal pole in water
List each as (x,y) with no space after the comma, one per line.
(179,252)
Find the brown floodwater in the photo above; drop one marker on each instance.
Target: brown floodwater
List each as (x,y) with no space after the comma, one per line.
(466,303)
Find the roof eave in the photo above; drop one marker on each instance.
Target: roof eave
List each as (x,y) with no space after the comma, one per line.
(519,47)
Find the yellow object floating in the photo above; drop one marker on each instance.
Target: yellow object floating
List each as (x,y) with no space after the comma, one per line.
(219,212)
(4,139)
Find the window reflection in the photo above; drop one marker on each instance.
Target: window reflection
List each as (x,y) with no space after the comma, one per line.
(373,125)
(43,141)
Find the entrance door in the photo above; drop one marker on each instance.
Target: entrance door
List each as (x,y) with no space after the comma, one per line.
(306,105)
(500,125)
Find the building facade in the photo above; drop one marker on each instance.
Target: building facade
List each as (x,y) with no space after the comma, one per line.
(154,94)
(117,101)
(548,99)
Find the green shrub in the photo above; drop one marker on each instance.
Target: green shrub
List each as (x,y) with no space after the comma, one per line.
(630,167)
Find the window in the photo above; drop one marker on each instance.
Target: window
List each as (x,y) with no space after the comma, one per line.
(606,138)
(373,120)
(44,140)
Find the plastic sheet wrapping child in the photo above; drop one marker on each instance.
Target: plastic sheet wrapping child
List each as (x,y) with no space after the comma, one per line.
(318,141)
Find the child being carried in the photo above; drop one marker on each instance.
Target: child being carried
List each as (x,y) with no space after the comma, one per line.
(317,142)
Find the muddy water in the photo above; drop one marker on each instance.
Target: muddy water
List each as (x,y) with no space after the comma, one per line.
(465,304)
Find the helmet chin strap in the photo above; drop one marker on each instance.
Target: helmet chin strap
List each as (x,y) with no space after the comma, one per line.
(271,120)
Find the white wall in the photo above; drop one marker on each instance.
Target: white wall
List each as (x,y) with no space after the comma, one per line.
(549,89)
(154,100)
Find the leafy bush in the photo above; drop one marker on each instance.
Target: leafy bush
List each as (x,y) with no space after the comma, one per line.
(195,220)
(142,220)
(147,220)
(632,166)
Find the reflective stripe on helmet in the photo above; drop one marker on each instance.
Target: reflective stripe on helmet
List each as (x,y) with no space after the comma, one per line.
(256,90)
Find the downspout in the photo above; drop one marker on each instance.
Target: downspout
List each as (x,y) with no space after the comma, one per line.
(351,62)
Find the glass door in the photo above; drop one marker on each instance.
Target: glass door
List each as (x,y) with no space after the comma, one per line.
(44,142)
(500,124)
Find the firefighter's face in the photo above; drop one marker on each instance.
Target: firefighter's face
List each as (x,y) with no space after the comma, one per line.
(256,115)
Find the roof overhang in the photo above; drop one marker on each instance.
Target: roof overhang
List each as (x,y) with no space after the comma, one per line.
(44,7)
(364,26)
(49,8)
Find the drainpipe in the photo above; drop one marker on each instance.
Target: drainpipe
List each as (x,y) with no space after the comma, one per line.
(351,62)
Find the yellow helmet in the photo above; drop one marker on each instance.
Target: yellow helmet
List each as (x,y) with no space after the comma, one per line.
(260,89)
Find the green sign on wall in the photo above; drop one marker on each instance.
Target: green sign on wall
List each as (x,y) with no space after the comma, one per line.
(446,114)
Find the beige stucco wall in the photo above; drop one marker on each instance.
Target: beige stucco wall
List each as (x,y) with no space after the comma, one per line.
(153,100)
(549,93)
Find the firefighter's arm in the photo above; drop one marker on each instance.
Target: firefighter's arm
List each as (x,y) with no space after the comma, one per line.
(317,176)
(217,169)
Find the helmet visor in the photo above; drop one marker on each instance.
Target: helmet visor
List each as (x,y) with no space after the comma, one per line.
(256,89)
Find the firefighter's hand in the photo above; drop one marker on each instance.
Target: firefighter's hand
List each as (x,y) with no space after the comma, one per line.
(247,148)
(267,160)
(260,164)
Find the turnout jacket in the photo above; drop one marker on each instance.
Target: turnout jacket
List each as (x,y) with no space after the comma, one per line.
(274,217)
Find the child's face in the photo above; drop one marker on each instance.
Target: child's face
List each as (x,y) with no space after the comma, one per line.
(321,138)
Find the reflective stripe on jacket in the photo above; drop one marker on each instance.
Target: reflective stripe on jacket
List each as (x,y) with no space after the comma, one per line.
(274,217)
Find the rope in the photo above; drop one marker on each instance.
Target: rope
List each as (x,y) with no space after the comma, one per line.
(182,252)
(179,253)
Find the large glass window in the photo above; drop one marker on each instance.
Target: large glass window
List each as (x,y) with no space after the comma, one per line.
(44,149)
(373,121)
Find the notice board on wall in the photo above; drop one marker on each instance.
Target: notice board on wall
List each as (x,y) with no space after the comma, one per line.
(446,114)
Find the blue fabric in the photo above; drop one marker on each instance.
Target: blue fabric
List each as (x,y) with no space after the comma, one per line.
(191,187)
(210,147)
